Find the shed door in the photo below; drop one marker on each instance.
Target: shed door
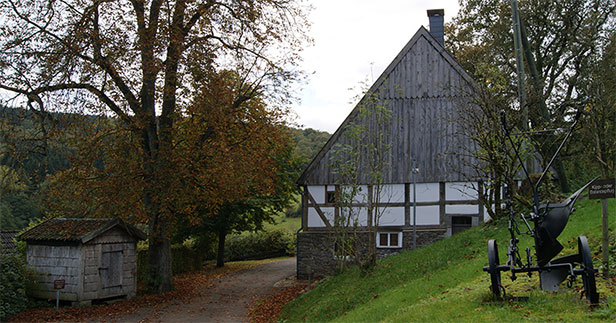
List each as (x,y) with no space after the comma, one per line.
(111,271)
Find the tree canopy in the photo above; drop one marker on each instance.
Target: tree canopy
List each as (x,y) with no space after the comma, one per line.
(559,39)
(143,61)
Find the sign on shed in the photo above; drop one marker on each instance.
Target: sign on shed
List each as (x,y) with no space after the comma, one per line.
(58,284)
(602,189)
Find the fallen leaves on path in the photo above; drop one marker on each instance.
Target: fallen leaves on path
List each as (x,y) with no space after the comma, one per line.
(187,286)
(268,309)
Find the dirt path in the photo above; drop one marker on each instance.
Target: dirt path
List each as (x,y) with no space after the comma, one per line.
(228,301)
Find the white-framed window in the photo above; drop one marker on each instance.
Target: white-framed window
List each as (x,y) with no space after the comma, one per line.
(389,240)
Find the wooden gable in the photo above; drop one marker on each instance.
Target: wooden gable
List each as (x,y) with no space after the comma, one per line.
(423,88)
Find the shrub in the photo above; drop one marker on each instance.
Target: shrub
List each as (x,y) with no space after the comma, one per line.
(294,212)
(185,259)
(12,286)
(260,245)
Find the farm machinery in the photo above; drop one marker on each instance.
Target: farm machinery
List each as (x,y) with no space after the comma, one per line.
(548,221)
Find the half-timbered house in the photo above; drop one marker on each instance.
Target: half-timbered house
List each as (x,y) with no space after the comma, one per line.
(423,89)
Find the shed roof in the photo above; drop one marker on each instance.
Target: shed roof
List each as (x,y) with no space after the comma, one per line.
(77,229)
(7,242)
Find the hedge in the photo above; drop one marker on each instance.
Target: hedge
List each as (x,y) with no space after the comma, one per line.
(260,245)
(13,297)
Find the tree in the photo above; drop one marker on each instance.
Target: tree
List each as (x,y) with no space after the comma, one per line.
(359,161)
(131,59)
(598,95)
(245,172)
(479,117)
(560,37)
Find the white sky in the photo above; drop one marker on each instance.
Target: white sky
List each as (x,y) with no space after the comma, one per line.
(355,40)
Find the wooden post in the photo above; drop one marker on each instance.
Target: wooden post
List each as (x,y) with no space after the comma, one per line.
(604,189)
(605,243)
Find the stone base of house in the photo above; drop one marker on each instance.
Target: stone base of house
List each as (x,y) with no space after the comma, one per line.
(315,250)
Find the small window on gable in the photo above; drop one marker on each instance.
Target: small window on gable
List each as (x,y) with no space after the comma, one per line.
(389,240)
(330,194)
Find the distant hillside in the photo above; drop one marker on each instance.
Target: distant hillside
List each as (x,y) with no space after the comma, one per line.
(27,159)
(308,142)
(444,282)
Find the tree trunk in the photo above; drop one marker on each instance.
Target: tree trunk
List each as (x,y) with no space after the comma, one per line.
(562,177)
(220,255)
(161,275)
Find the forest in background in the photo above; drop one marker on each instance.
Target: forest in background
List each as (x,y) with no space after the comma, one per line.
(26,160)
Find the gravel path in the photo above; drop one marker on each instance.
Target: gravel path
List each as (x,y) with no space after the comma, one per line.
(228,301)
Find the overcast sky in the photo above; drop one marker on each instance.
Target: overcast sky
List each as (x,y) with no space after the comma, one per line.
(355,40)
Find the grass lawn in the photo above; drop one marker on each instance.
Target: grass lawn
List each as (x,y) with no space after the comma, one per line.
(445,282)
(284,223)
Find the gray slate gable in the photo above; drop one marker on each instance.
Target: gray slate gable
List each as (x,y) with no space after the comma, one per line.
(422,87)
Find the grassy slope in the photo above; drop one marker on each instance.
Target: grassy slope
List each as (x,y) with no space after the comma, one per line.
(445,282)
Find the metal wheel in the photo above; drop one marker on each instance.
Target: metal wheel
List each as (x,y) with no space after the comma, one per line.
(588,276)
(495,276)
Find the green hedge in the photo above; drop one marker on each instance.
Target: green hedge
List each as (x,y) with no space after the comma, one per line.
(260,245)
(13,297)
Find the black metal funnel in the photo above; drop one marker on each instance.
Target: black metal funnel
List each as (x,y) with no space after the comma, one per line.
(552,225)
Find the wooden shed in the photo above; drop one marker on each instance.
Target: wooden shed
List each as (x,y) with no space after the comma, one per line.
(96,258)
(424,89)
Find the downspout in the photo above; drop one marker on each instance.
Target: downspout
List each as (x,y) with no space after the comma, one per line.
(299,190)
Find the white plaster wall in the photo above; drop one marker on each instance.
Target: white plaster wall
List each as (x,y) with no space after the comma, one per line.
(391,216)
(361,194)
(360,215)
(318,193)
(462,209)
(392,193)
(461,191)
(426,192)
(314,221)
(427,215)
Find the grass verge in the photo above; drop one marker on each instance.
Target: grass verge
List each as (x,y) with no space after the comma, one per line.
(445,282)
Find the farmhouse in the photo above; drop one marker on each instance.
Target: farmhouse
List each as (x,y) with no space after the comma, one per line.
(96,258)
(422,90)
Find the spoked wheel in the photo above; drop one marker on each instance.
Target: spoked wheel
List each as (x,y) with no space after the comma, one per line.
(495,276)
(588,276)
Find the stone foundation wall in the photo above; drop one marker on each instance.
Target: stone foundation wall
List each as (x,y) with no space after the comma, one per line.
(315,250)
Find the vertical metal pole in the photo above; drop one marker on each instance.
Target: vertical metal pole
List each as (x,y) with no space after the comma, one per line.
(57,299)
(517,42)
(414,204)
(605,240)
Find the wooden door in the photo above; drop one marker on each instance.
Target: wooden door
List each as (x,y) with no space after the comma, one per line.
(112,260)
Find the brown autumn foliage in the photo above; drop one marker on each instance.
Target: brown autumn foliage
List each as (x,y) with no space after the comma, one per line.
(223,152)
(268,309)
(136,61)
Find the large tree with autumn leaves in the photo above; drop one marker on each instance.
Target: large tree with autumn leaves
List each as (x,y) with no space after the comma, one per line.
(143,62)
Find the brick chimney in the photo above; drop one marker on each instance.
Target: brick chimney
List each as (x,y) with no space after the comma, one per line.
(436,17)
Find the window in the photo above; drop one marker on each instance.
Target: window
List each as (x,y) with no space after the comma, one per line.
(331,197)
(330,194)
(389,240)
